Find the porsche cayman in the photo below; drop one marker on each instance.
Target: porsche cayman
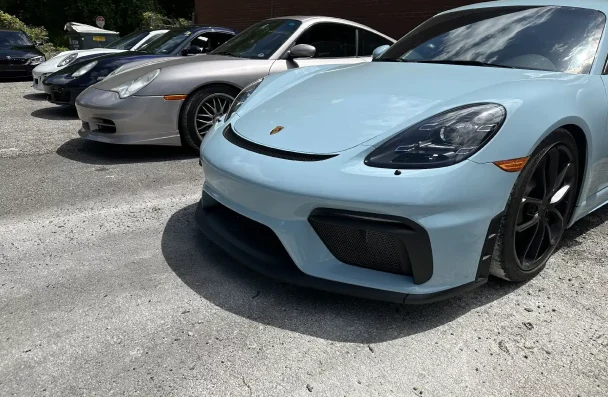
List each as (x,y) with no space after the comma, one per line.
(464,150)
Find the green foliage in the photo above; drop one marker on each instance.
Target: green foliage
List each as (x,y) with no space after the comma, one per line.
(155,20)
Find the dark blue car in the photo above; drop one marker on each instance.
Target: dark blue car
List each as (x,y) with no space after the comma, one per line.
(65,85)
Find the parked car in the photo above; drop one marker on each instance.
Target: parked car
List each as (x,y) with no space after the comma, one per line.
(175,102)
(466,149)
(133,42)
(18,55)
(65,85)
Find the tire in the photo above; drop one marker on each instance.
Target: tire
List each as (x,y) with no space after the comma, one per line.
(532,207)
(188,130)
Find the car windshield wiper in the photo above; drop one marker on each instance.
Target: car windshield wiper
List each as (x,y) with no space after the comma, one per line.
(226,53)
(389,60)
(462,62)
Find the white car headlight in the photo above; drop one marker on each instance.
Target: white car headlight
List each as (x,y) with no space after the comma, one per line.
(35,60)
(242,97)
(85,69)
(131,87)
(67,60)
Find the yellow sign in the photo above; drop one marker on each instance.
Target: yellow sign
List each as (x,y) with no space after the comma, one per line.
(99,38)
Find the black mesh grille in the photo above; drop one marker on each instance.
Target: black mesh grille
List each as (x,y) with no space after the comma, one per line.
(60,95)
(364,248)
(232,137)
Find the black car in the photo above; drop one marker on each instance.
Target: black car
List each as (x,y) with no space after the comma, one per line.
(66,84)
(18,56)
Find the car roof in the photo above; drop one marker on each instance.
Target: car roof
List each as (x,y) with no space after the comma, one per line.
(319,18)
(200,27)
(600,5)
(11,30)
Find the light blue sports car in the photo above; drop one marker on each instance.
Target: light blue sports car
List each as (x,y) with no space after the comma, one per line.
(463,150)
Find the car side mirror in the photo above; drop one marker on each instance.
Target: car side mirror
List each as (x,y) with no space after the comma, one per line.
(38,43)
(379,51)
(302,51)
(193,50)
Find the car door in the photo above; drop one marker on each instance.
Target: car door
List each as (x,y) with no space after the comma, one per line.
(335,43)
(368,41)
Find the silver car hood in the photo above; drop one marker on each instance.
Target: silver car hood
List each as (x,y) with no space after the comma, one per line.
(176,68)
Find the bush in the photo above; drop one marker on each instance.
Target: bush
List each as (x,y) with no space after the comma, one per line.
(38,34)
(155,20)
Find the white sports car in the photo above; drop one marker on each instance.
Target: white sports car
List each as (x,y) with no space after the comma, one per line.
(131,42)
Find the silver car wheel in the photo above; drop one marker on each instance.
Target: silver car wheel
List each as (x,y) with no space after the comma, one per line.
(210,109)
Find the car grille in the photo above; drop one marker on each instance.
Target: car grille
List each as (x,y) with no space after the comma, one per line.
(383,243)
(241,142)
(60,95)
(12,61)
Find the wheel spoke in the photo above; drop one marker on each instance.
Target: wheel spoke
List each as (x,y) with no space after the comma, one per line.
(561,177)
(527,225)
(552,171)
(536,241)
(541,179)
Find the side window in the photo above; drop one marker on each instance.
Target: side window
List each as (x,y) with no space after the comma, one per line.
(332,40)
(369,41)
(211,40)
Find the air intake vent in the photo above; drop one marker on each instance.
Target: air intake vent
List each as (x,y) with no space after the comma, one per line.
(239,141)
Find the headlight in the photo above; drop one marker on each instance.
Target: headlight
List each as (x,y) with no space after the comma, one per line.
(35,60)
(67,60)
(242,97)
(441,140)
(85,69)
(131,87)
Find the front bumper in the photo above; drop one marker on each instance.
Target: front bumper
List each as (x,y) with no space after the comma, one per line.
(16,71)
(458,207)
(38,78)
(136,120)
(62,95)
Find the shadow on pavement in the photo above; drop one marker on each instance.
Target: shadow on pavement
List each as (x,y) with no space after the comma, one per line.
(39,96)
(97,153)
(56,113)
(215,276)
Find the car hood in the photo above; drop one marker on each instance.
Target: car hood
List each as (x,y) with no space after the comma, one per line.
(331,109)
(182,66)
(19,52)
(50,66)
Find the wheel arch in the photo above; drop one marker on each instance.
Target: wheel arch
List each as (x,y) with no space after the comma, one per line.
(202,87)
(580,137)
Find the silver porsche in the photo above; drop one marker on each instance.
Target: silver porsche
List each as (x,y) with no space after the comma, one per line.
(176,101)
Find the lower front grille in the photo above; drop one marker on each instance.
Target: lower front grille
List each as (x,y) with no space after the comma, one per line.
(383,243)
(60,95)
(239,141)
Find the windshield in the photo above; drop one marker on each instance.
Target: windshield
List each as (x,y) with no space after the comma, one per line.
(261,40)
(561,39)
(127,42)
(168,43)
(14,39)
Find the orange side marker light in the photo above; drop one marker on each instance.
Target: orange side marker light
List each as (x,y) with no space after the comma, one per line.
(176,97)
(513,165)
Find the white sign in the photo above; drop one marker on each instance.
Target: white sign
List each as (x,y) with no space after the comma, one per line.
(101,21)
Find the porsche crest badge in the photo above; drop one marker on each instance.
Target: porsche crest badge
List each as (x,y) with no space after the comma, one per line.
(276,130)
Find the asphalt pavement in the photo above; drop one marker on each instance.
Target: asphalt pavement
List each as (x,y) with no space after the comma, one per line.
(108,288)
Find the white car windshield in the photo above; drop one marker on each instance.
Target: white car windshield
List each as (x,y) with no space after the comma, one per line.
(558,39)
(128,42)
(261,40)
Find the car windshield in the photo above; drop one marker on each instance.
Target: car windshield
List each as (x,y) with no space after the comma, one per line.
(127,42)
(261,40)
(560,39)
(14,39)
(168,43)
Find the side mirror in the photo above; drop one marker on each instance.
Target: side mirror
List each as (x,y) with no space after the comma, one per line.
(379,51)
(302,51)
(38,43)
(193,50)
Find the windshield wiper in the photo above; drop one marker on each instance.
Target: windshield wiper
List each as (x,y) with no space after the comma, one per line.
(226,53)
(462,62)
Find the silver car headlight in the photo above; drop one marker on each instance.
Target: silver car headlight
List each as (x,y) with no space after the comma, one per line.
(131,87)
(242,97)
(67,60)
(85,69)
(442,140)
(35,60)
